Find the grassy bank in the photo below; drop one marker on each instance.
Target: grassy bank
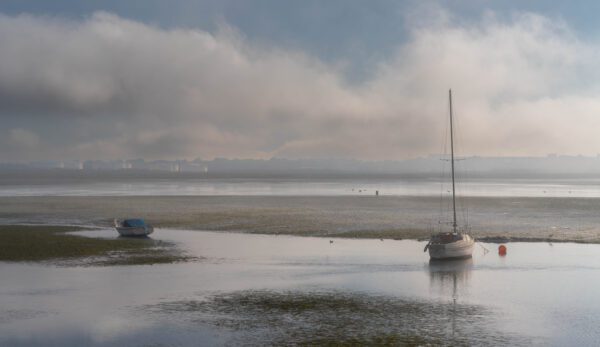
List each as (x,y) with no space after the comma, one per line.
(54,244)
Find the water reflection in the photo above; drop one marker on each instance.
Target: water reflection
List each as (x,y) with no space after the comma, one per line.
(451,277)
(447,275)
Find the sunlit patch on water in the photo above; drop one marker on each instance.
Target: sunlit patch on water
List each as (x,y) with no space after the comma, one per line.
(340,318)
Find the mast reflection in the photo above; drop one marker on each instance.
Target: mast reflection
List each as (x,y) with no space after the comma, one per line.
(451,277)
(447,275)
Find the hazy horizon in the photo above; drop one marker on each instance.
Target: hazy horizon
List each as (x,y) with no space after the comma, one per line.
(432,167)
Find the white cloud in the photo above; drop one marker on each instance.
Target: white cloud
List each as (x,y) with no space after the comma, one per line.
(109,87)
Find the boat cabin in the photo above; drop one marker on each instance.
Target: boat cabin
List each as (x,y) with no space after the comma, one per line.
(448,237)
(133,223)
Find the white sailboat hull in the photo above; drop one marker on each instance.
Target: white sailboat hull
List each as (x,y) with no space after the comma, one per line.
(459,249)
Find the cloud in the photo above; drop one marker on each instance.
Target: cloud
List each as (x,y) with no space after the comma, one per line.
(21,138)
(109,87)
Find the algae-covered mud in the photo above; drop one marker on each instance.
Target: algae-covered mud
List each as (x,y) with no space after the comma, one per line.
(338,318)
(395,217)
(59,245)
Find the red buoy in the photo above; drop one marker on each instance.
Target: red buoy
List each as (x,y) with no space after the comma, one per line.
(502,250)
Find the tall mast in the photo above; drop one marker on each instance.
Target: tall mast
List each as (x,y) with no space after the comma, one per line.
(452,161)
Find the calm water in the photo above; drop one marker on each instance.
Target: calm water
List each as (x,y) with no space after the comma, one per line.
(293,187)
(546,294)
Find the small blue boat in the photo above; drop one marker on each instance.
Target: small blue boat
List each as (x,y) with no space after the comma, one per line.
(133,227)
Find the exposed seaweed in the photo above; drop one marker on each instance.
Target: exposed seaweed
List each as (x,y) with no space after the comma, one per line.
(55,245)
(339,319)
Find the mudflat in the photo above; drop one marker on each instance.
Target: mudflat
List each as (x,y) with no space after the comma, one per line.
(495,219)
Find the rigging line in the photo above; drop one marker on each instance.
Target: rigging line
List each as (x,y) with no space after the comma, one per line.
(464,182)
(485,250)
(444,151)
(447,167)
(452,163)
(461,174)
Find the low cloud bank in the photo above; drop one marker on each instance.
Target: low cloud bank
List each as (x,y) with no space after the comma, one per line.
(108,87)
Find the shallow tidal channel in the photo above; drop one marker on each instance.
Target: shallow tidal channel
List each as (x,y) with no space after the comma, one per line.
(273,290)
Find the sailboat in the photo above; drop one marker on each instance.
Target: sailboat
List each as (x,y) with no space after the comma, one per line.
(455,244)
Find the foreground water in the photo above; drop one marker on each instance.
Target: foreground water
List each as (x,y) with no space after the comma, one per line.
(258,288)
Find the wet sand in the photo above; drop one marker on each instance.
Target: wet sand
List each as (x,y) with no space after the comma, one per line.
(493,219)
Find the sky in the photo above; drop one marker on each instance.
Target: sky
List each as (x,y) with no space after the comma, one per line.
(296,79)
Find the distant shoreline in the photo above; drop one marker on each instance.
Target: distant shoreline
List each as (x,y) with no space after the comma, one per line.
(9,176)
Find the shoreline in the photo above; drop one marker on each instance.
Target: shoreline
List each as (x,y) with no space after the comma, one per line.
(376,236)
(368,235)
(493,220)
